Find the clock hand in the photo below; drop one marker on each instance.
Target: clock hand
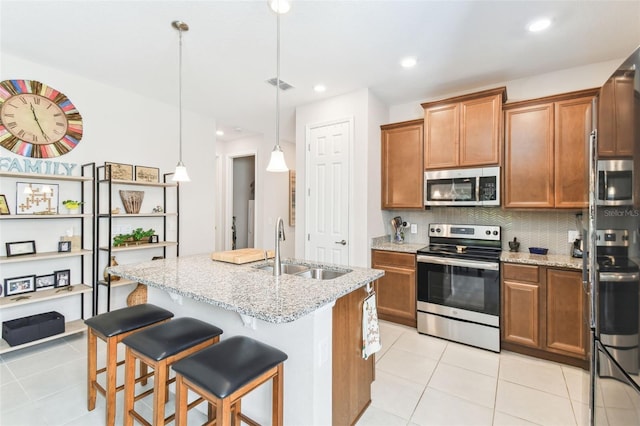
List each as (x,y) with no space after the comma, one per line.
(35,117)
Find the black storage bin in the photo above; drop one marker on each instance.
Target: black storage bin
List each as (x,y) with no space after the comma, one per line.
(33,327)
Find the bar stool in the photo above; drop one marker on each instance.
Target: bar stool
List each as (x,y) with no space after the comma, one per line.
(226,372)
(112,327)
(159,347)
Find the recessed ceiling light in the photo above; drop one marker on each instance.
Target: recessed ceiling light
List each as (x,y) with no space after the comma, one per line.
(219,133)
(539,25)
(409,62)
(280,6)
(320,88)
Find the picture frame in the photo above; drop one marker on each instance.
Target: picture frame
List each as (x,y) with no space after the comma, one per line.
(19,285)
(292,198)
(62,277)
(154,239)
(20,248)
(45,281)
(64,246)
(147,174)
(36,198)
(118,171)
(4,206)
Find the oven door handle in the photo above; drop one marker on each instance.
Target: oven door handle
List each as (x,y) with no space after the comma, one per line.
(619,276)
(491,266)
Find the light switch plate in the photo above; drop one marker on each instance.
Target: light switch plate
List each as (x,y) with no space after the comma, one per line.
(414,228)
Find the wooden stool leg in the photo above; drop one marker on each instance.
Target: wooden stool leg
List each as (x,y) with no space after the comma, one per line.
(92,367)
(181,402)
(224,412)
(112,361)
(129,386)
(144,369)
(159,392)
(278,397)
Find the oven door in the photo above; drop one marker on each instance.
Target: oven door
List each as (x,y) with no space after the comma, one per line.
(465,289)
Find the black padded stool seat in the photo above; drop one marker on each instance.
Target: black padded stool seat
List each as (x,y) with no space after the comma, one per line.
(112,327)
(126,319)
(159,347)
(226,372)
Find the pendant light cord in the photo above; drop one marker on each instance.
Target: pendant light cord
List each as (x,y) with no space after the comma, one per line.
(180,91)
(278,82)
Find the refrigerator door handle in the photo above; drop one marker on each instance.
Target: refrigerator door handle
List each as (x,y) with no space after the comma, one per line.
(592,268)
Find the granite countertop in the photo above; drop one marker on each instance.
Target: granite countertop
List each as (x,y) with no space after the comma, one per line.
(553,260)
(244,288)
(404,248)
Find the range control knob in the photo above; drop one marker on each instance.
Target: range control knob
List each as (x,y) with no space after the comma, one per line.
(438,230)
(495,232)
(487,232)
(432,229)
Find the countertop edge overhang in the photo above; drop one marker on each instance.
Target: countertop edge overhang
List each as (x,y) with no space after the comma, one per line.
(245,289)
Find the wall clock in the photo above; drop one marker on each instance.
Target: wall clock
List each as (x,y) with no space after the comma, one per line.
(36,120)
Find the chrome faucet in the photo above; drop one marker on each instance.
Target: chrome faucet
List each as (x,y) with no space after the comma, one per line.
(277,267)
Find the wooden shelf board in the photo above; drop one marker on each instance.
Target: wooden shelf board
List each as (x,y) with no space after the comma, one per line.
(70,328)
(45,176)
(133,182)
(41,296)
(43,256)
(43,216)
(121,282)
(141,246)
(137,215)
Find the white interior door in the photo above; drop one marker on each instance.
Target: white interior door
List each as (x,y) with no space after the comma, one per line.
(327,192)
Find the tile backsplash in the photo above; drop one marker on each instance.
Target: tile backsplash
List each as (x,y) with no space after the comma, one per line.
(532,229)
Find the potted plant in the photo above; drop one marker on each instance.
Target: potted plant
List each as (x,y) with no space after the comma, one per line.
(137,236)
(72,205)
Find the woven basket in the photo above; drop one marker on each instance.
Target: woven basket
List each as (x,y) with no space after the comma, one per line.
(132,201)
(138,296)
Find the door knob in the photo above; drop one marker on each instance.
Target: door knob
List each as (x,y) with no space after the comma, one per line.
(343,242)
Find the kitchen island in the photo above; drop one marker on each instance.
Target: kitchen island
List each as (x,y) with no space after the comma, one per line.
(314,321)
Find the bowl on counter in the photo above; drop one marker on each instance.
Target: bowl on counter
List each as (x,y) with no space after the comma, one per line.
(538,250)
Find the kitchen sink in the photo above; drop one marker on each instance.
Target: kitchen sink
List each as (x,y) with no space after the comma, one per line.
(306,271)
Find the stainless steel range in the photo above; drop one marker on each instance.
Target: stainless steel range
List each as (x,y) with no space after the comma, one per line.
(459,284)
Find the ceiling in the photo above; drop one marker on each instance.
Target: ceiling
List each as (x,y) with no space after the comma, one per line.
(230,50)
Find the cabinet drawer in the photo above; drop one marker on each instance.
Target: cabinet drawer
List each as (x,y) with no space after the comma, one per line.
(391,258)
(528,273)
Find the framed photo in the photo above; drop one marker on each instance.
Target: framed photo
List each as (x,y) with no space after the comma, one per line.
(62,277)
(45,281)
(64,246)
(154,239)
(36,198)
(19,285)
(147,174)
(21,248)
(118,171)
(4,206)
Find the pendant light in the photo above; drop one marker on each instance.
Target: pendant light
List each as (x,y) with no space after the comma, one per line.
(180,174)
(277,163)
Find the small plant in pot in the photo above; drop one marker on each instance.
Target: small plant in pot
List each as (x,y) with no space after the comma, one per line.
(136,237)
(72,205)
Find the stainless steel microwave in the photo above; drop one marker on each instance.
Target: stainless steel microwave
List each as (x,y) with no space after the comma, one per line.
(615,182)
(462,187)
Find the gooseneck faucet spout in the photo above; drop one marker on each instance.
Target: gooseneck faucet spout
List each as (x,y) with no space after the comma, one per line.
(277,267)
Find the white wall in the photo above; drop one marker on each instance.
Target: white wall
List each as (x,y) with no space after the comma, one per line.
(243,181)
(124,127)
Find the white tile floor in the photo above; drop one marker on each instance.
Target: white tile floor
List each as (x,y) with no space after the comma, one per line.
(420,380)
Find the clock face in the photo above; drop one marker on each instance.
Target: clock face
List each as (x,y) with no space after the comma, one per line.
(37,120)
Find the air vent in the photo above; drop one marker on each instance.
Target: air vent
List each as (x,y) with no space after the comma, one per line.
(283,84)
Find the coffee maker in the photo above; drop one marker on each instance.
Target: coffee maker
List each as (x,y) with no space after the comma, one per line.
(397,225)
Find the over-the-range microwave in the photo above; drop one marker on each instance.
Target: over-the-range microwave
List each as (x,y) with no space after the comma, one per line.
(615,182)
(462,187)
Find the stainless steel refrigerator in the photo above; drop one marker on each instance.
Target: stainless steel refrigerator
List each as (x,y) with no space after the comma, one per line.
(612,255)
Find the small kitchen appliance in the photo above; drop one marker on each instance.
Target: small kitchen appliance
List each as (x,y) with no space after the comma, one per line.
(462,187)
(397,225)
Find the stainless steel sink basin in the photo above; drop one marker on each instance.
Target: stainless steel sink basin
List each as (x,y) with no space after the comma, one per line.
(287,268)
(321,274)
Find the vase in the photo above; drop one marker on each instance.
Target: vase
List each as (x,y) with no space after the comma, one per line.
(138,296)
(106,274)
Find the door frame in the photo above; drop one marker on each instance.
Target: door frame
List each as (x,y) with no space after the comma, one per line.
(229,195)
(350,178)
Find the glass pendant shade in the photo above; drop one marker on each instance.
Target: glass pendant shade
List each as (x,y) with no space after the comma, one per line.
(180,174)
(277,163)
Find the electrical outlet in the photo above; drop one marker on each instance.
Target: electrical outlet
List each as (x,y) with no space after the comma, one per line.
(414,228)
(573,235)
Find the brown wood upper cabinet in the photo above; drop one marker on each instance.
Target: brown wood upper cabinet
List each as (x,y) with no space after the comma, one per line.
(464,131)
(402,171)
(546,151)
(396,290)
(615,116)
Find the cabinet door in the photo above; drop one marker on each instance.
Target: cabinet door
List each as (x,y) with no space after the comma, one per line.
(615,117)
(396,290)
(572,129)
(566,325)
(529,169)
(441,136)
(520,316)
(402,169)
(480,131)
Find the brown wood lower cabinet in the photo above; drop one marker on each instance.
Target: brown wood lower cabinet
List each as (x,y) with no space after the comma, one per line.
(544,313)
(352,375)
(396,290)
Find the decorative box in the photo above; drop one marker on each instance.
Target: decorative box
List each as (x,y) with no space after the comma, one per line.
(33,327)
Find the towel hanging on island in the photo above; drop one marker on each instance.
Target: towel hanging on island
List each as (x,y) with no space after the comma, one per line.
(370,327)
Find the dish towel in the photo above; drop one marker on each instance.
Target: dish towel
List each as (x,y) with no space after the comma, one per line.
(370,328)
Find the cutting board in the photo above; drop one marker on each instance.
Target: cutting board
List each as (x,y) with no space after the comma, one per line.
(241,255)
